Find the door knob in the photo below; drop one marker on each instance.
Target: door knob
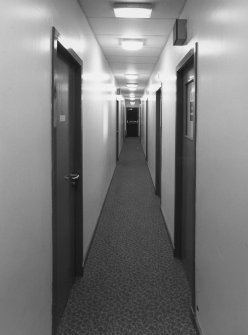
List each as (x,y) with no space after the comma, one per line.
(73,177)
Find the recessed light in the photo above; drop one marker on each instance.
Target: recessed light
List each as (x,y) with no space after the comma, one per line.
(131,76)
(132,44)
(133,10)
(132,85)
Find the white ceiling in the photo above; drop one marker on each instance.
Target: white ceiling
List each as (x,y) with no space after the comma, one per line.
(109,30)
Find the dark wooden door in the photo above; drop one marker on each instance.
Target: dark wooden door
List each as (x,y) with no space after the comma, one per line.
(186,167)
(67,185)
(117,130)
(65,191)
(158,143)
(132,122)
(147,129)
(188,174)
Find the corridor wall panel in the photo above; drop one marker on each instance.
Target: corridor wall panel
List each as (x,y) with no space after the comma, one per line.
(25,152)
(220,29)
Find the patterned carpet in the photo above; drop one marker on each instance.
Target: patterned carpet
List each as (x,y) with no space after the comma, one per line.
(132,284)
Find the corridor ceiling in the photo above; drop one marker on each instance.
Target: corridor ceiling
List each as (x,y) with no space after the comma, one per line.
(109,30)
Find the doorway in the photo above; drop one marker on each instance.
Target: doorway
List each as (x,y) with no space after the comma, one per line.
(117,130)
(132,122)
(66,174)
(185,182)
(147,129)
(158,159)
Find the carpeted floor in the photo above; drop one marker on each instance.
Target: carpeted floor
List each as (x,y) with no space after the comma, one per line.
(132,284)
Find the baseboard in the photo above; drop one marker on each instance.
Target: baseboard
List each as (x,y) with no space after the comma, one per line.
(98,220)
(195,322)
(81,271)
(167,231)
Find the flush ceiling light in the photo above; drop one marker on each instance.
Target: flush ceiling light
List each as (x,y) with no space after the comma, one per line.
(132,103)
(132,86)
(132,44)
(133,10)
(131,76)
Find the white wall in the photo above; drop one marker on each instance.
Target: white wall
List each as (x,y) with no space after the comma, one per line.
(220,27)
(25,152)
(151,119)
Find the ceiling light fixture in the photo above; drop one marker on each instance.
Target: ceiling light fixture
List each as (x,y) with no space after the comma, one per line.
(132,44)
(133,10)
(131,76)
(132,103)
(132,85)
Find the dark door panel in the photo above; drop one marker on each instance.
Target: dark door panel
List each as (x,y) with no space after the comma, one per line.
(117,130)
(65,245)
(188,174)
(158,142)
(186,168)
(132,122)
(67,185)
(147,129)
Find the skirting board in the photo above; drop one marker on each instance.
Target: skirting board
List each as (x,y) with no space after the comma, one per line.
(167,230)
(98,220)
(195,322)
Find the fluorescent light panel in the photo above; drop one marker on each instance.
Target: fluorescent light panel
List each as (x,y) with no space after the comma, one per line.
(132,44)
(133,10)
(132,85)
(131,76)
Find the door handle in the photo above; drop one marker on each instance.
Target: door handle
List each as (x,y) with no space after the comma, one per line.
(72,177)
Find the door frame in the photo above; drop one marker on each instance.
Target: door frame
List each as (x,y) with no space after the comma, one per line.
(158,152)
(59,47)
(146,129)
(190,57)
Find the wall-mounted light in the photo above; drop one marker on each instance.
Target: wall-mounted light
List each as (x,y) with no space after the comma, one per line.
(133,10)
(132,44)
(131,76)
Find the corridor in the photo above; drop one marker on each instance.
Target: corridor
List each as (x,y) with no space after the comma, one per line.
(71,71)
(132,284)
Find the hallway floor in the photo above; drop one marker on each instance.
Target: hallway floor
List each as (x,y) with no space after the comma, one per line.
(132,284)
